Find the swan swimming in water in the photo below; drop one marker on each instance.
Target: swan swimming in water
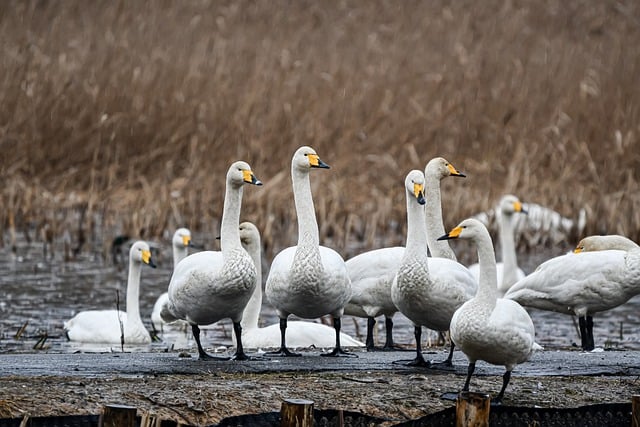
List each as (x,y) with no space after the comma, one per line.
(300,334)
(109,326)
(180,243)
(212,285)
(602,273)
(308,280)
(496,330)
(427,290)
(507,270)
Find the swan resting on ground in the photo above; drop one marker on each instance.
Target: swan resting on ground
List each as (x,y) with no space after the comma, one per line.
(300,334)
(601,274)
(496,330)
(179,243)
(212,285)
(427,290)
(308,280)
(110,326)
(508,271)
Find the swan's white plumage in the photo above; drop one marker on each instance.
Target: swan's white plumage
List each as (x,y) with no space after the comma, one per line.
(597,279)
(300,334)
(427,290)
(496,330)
(209,286)
(103,326)
(179,245)
(507,271)
(307,280)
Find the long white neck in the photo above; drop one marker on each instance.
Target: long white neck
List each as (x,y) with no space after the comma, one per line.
(416,230)
(508,248)
(133,292)
(435,224)
(308,235)
(229,232)
(251,312)
(180,252)
(488,281)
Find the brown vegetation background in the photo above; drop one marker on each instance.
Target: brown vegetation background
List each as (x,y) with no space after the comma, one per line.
(131,112)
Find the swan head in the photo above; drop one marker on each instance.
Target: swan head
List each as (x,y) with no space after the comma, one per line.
(440,168)
(603,243)
(414,183)
(141,252)
(240,173)
(249,235)
(181,238)
(306,158)
(470,228)
(510,204)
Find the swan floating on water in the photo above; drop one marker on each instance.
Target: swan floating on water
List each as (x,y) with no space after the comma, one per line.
(300,334)
(212,285)
(115,326)
(601,274)
(498,331)
(307,280)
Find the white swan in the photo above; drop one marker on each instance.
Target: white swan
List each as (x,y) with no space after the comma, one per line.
(427,290)
(300,334)
(209,286)
(603,273)
(180,245)
(307,280)
(496,330)
(372,272)
(109,326)
(508,271)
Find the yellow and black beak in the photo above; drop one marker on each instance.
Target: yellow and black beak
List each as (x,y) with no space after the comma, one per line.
(454,172)
(316,162)
(453,234)
(186,240)
(250,178)
(517,206)
(578,249)
(418,192)
(146,258)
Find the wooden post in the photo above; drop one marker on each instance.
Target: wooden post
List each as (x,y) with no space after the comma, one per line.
(296,413)
(118,416)
(635,410)
(472,409)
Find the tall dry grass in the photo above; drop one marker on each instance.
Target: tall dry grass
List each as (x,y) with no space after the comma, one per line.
(131,112)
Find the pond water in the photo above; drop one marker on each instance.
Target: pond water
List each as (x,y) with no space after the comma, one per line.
(39,294)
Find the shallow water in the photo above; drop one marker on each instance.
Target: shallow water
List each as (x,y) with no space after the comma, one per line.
(38,295)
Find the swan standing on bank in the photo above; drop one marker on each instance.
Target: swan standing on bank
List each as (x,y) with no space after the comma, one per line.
(179,243)
(601,274)
(496,330)
(427,290)
(209,286)
(508,271)
(300,334)
(308,280)
(114,326)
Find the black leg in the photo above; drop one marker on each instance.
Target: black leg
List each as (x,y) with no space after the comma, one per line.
(470,369)
(388,325)
(240,354)
(371,322)
(586,328)
(448,363)
(590,341)
(505,381)
(338,351)
(283,351)
(201,353)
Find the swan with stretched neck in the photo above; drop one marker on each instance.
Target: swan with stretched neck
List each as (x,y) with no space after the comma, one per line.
(496,330)
(180,244)
(300,334)
(212,285)
(508,271)
(372,272)
(427,290)
(307,280)
(110,326)
(602,273)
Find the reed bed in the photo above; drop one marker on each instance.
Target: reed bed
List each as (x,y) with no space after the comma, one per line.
(122,117)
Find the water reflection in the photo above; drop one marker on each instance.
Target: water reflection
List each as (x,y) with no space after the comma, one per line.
(38,296)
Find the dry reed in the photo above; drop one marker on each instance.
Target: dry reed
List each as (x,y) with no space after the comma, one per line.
(131,112)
